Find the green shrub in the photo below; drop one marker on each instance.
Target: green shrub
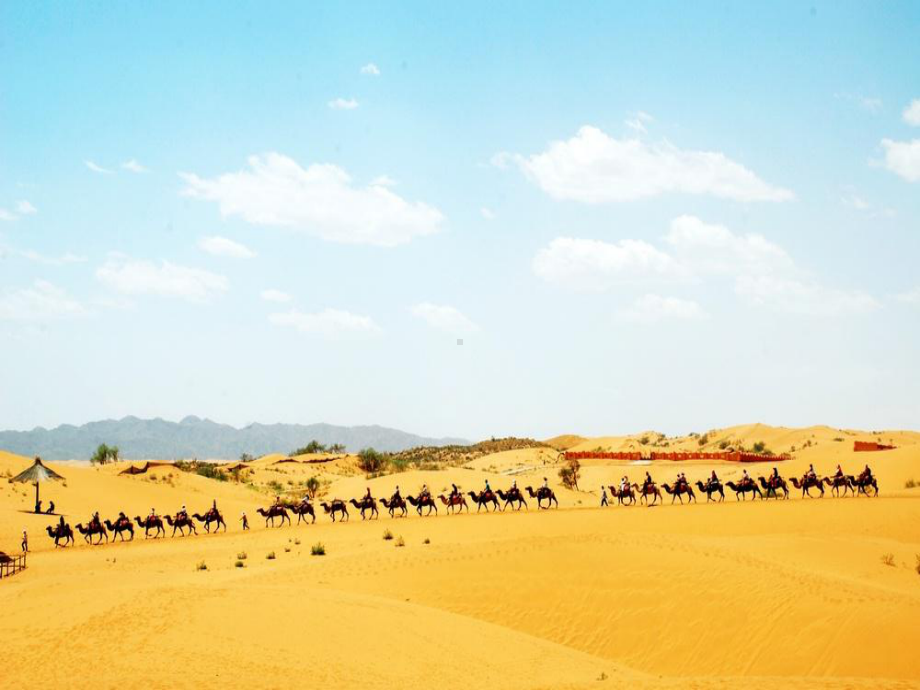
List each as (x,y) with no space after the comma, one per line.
(369,460)
(270,556)
(312,447)
(387,535)
(318,549)
(241,556)
(400,542)
(427,541)
(201,566)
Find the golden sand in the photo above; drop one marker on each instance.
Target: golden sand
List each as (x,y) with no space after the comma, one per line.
(740,594)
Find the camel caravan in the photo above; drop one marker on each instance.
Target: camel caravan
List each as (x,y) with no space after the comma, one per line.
(122,528)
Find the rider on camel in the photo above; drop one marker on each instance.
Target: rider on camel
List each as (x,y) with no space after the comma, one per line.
(96,522)
(746,478)
(488,489)
(397,497)
(714,479)
(367,496)
(425,492)
(624,482)
(866,474)
(545,484)
(648,480)
(839,473)
(811,474)
(454,491)
(183,514)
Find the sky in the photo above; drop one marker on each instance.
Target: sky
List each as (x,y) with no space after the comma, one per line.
(470,219)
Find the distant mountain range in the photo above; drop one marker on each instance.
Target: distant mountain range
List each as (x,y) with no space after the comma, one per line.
(194,437)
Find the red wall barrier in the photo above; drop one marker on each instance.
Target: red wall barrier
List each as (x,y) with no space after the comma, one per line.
(869,446)
(677,457)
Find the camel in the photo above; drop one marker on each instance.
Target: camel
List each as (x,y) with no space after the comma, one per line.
(181,522)
(276,511)
(836,483)
(151,522)
(772,484)
(710,488)
(423,502)
(121,526)
(213,515)
(454,502)
(484,498)
(514,496)
(806,484)
(93,528)
(741,490)
(543,494)
(364,505)
(627,494)
(861,483)
(59,532)
(302,509)
(678,490)
(337,506)
(393,505)
(647,490)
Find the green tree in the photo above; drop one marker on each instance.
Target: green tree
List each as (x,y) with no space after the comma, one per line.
(371,461)
(105,454)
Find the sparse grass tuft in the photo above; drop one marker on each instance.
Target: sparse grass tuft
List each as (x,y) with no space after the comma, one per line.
(400,542)
(387,535)
(888,559)
(270,556)
(297,542)
(287,549)
(201,566)
(910,483)
(242,556)
(239,563)
(427,541)
(318,549)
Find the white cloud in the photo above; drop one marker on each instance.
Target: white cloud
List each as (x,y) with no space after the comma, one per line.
(62,260)
(444,318)
(371,69)
(320,200)
(911,113)
(903,158)
(25,208)
(637,123)
(595,168)
(275,296)
(867,103)
(802,297)
(139,277)
(909,297)
(133,166)
(597,265)
(654,308)
(487,213)
(97,168)
(41,302)
(7,216)
(343,104)
(327,323)
(221,246)
(712,248)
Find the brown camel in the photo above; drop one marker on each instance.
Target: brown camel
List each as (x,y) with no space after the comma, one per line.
(213,515)
(484,498)
(837,482)
(678,490)
(646,490)
(392,505)
(861,483)
(121,526)
(302,509)
(454,502)
(710,488)
(337,506)
(92,529)
(366,504)
(276,511)
(543,494)
(151,522)
(59,532)
(627,494)
(181,522)
(806,484)
(770,486)
(744,488)
(423,502)
(513,497)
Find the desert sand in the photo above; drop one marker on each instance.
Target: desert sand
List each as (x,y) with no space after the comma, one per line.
(779,593)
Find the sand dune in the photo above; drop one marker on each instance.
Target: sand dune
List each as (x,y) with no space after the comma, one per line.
(754,594)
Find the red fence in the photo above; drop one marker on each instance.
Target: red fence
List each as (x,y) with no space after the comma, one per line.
(869,446)
(677,457)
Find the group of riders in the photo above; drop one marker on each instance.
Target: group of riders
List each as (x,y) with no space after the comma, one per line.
(424,495)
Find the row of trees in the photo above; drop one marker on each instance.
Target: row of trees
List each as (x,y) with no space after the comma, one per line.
(105,454)
(315,446)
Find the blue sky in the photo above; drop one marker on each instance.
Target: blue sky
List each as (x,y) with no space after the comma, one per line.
(662,216)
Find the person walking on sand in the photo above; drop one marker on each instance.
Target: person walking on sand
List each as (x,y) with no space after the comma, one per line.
(25,542)
(603,496)
(244,520)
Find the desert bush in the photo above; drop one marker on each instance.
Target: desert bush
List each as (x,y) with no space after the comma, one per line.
(387,535)
(569,474)
(644,440)
(104,454)
(428,541)
(838,439)
(238,564)
(312,447)
(312,486)
(910,483)
(400,542)
(297,542)
(760,447)
(723,444)
(270,556)
(242,556)
(318,549)
(888,559)
(287,549)
(369,460)
(201,566)
(211,472)
(703,440)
